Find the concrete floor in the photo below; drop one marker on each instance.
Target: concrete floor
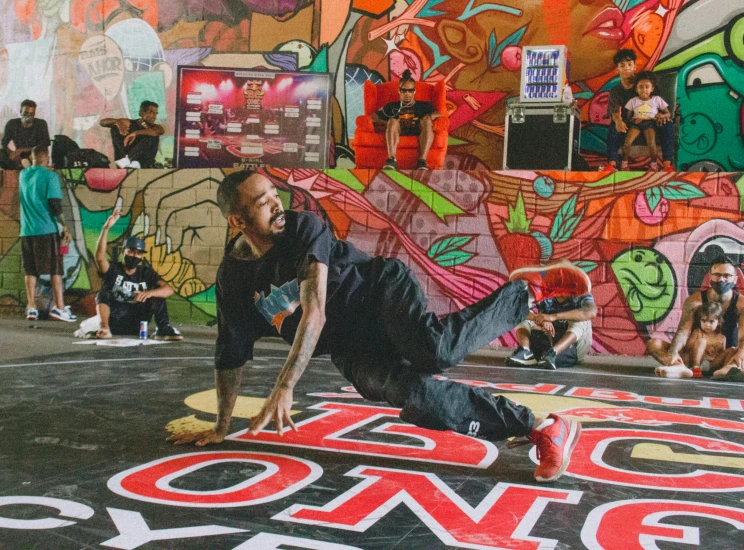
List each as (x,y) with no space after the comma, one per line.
(84,461)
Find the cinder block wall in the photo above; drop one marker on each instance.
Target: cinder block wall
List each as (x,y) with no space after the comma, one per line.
(644,238)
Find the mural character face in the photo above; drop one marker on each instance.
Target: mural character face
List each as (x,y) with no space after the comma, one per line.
(698,133)
(705,81)
(648,282)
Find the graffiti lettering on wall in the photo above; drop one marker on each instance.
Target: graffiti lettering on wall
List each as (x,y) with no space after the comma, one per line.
(87,59)
(644,238)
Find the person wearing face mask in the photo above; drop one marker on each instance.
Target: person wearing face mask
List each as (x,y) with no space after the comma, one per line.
(25,133)
(136,141)
(132,292)
(723,278)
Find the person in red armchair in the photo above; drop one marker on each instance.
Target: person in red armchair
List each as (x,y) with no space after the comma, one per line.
(408,117)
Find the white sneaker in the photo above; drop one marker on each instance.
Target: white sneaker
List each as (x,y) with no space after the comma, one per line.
(63,314)
(134,164)
(123,163)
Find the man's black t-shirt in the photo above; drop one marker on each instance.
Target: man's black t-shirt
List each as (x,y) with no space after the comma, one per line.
(409,116)
(123,286)
(36,134)
(619,97)
(261,297)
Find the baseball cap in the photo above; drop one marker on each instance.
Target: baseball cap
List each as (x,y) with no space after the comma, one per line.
(135,243)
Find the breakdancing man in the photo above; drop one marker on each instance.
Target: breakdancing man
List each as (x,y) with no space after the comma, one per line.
(370,315)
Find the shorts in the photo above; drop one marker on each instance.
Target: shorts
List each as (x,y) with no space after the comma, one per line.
(643,125)
(410,131)
(41,255)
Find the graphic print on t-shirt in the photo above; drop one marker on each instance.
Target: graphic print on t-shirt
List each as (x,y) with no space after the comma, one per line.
(124,291)
(280,304)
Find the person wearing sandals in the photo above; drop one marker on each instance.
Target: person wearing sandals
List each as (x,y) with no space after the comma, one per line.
(40,195)
(131,292)
(408,117)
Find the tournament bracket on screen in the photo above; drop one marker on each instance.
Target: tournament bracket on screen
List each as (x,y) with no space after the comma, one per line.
(227,118)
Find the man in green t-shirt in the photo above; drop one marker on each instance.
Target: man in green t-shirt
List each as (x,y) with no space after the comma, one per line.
(41,208)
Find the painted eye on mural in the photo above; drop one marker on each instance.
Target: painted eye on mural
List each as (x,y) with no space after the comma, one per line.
(704,75)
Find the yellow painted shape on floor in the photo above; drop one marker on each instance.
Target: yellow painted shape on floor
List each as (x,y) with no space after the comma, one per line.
(188,424)
(245,407)
(656,451)
(542,404)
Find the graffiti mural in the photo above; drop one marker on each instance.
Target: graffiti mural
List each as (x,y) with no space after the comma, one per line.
(644,238)
(83,60)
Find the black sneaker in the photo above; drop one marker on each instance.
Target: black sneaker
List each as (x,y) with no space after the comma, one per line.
(521,358)
(421,165)
(390,164)
(547,361)
(168,333)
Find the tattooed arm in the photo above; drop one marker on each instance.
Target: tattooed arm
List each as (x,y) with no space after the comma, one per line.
(312,300)
(227,383)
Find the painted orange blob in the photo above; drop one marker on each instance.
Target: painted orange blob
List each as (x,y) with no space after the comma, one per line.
(647,33)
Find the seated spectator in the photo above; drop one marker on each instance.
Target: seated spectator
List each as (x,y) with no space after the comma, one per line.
(408,117)
(723,277)
(705,345)
(646,112)
(558,336)
(136,141)
(24,133)
(131,293)
(620,95)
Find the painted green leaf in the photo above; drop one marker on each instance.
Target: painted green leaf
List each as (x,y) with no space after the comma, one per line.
(456,257)
(428,11)
(512,40)
(653,197)
(680,191)
(586,266)
(448,244)
(565,221)
(518,222)
(493,51)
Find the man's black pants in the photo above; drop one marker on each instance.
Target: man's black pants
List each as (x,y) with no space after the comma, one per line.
(398,346)
(143,149)
(125,317)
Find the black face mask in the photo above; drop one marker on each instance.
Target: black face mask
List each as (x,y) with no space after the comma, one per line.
(131,262)
(722,288)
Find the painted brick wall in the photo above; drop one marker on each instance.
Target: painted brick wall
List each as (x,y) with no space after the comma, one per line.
(644,238)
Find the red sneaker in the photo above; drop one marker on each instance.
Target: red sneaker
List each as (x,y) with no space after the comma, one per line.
(668,168)
(561,278)
(555,443)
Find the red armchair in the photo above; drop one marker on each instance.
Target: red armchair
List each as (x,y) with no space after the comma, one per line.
(369,145)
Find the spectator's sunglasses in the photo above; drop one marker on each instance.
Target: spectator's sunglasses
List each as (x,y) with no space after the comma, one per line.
(407,90)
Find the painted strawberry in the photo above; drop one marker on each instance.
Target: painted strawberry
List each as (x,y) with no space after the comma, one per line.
(518,250)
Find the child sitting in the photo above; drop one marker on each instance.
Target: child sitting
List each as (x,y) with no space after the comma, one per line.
(644,109)
(705,347)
